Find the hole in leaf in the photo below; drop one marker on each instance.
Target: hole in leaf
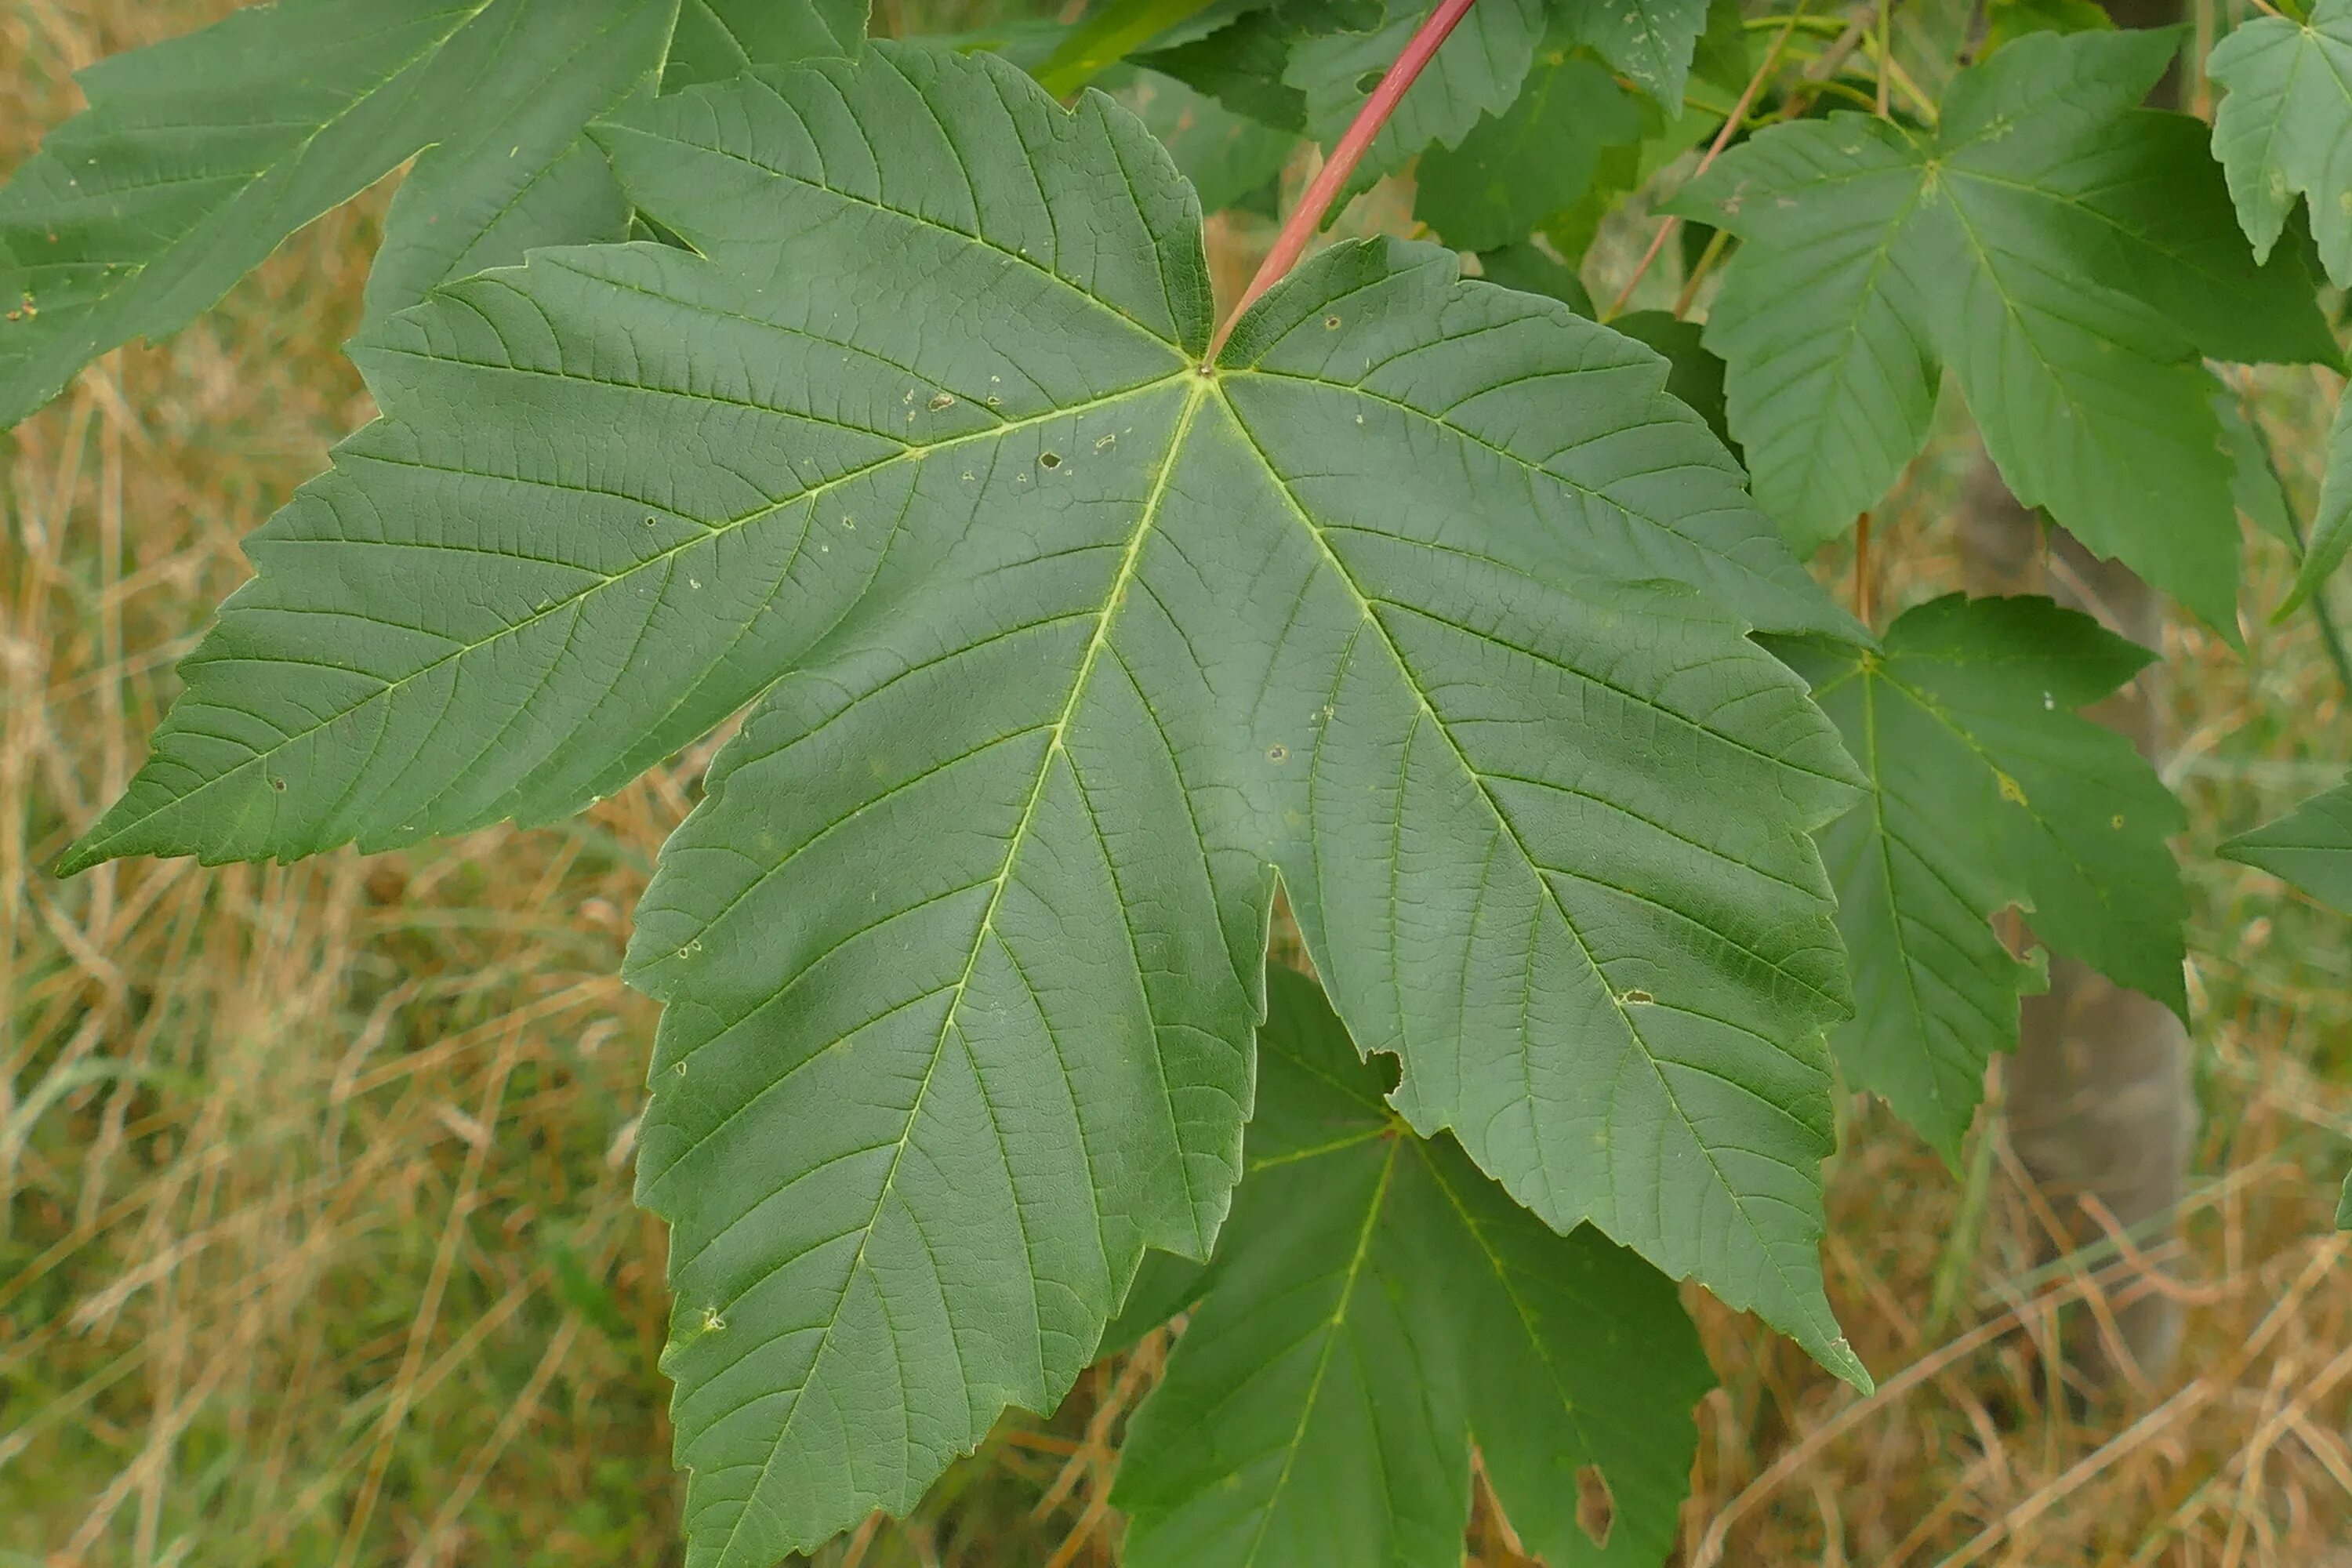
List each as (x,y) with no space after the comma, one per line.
(1049,460)
(1369,80)
(1596,1511)
(1630,997)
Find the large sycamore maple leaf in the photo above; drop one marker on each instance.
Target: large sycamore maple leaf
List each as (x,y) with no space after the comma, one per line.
(1060,649)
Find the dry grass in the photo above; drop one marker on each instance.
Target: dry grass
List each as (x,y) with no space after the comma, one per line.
(315,1245)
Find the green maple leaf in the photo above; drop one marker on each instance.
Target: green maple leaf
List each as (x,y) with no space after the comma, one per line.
(2310,847)
(1109,34)
(1652,41)
(198,156)
(1987,789)
(2062,251)
(1535,159)
(1477,72)
(1241,65)
(1378,1307)
(1231,159)
(2284,129)
(1425,599)
(1693,374)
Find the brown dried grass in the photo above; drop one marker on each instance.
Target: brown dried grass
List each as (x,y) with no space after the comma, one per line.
(315,1244)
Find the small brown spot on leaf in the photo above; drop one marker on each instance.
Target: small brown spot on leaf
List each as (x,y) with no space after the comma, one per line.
(1596,1511)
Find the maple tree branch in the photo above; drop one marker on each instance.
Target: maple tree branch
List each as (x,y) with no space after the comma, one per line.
(1307,216)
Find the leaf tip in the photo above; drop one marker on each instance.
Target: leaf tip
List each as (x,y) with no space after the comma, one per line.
(83,853)
(1838,1357)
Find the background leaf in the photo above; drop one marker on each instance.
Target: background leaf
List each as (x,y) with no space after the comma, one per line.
(1987,789)
(1476,72)
(1377,1308)
(2331,530)
(2310,847)
(1650,40)
(1536,158)
(2062,261)
(2284,128)
(1231,159)
(198,156)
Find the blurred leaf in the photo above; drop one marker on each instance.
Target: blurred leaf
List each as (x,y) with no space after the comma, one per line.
(1650,40)
(1109,33)
(1477,72)
(1230,158)
(1621,170)
(1530,270)
(1726,56)
(1241,65)
(2006,21)
(2331,530)
(1535,159)
(2254,479)
(1379,1307)
(587,1295)
(1695,375)
(2310,847)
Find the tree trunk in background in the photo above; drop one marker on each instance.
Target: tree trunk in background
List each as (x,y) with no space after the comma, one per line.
(2098,1093)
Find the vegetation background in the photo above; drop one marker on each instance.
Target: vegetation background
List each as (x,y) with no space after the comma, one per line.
(315,1235)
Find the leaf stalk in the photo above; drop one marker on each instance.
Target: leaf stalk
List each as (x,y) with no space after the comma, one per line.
(1307,218)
